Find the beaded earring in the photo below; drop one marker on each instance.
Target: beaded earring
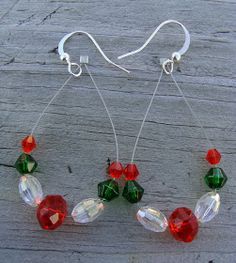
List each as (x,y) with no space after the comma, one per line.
(183,223)
(52,209)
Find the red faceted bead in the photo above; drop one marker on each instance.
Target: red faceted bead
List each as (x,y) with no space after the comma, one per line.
(183,224)
(213,156)
(52,212)
(115,170)
(28,144)
(131,172)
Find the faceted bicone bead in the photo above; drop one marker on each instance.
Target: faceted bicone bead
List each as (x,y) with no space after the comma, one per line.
(115,170)
(215,178)
(30,190)
(207,207)
(152,219)
(133,192)
(108,190)
(131,172)
(87,210)
(52,212)
(28,144)
(183,224)
(25,164)
(213,156)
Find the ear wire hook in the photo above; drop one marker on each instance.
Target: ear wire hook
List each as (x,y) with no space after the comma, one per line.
(167,64)
(65,56)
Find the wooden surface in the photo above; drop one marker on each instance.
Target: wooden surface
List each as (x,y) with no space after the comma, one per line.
(75,138)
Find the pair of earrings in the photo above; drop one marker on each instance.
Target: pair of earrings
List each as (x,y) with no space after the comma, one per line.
(52,210)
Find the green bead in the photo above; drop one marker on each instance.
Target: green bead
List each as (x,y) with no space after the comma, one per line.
(108,190)
(215,178)
(133,192)
(25,164)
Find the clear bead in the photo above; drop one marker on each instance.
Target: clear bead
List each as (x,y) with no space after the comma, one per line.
(152,219)
(87,210)
(30,190)
(207,207)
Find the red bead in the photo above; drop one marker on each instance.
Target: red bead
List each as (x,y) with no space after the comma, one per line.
(52,212)
(213,156)
(183,224)
(131,172)
(28,144)
(115,170)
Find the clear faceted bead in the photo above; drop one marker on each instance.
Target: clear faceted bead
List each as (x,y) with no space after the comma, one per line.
(152,219)
(30,190)
(87,210)
(207,207)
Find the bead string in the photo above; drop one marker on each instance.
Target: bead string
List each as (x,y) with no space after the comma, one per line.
(49,103)
(108,112)
(187,103)
(102,99)
(192,111)
(145,116)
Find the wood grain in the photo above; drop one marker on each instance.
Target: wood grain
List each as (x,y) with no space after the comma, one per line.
(75,138)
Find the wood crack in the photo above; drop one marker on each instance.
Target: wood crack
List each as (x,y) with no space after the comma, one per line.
(49,16)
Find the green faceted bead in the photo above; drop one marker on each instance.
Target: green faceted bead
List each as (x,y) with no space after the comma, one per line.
(133,192)
(25,164)
(215,178)
(108,190)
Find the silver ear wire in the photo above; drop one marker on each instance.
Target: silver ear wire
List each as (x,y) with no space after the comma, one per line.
(167,64)
(65,56)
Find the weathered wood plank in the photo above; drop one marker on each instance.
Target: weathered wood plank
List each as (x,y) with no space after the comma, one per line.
(76,133)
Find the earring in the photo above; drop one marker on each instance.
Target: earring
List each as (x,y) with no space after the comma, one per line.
(52,209)
(183,222)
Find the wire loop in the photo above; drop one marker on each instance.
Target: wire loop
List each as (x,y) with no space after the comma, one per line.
(168,66)
(70,69)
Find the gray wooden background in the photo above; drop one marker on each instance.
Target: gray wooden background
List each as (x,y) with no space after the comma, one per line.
(75,138)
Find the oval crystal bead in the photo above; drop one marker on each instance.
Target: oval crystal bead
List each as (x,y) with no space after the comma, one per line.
(207,207)
(30,190)
(87,210)
(152,219)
